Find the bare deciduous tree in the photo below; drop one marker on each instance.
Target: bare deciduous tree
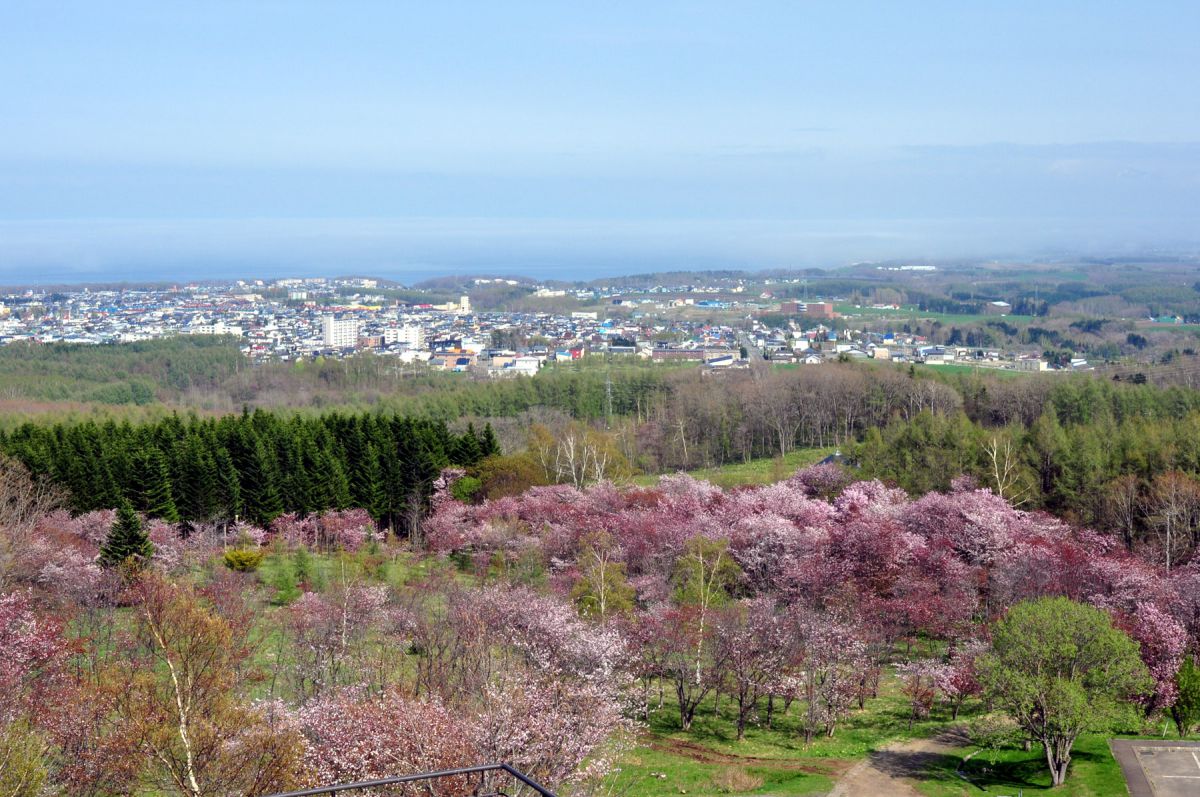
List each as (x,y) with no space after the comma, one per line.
(1004,469)
(23,499)
(1172,507)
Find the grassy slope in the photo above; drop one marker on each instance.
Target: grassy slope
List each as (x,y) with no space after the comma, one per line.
(708,759)
(957,368)
(756,471)
(912,313)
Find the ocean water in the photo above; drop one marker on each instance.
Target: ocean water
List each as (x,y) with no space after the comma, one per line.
(410,250)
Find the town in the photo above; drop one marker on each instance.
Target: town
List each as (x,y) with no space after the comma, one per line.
(725,323)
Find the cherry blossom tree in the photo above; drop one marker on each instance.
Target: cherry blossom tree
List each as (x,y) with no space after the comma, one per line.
(548,726)
(829,661)
(957,680)
(353,736)
(34,681)
(919,683)
(751,641)
(326,630)
(1163,642)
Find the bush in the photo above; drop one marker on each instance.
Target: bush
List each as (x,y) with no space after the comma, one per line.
(1186,710)
(735,780)
(243,560)
(465,489)
(282,578)
(23,768)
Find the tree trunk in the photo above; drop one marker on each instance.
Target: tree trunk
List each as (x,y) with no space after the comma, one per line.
(1059,758)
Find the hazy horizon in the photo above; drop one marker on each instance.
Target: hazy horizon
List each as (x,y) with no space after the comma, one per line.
(153,141)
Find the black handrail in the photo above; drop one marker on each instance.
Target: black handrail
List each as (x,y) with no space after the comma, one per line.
(445,773)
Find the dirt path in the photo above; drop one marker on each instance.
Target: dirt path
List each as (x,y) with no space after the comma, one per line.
(893,769)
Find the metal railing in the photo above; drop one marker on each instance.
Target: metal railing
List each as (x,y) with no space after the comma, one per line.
(481,769)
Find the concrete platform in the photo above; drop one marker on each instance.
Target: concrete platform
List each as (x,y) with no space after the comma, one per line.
(1159,768)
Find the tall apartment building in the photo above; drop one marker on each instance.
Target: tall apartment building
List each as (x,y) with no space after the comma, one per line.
(338,333)
(411,334)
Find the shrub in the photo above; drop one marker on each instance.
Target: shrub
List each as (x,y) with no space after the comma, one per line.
(243,560)
(735,780)
(23,768)
(465,489)
(1186,710)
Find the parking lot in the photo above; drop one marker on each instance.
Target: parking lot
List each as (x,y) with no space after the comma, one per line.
(1159,769)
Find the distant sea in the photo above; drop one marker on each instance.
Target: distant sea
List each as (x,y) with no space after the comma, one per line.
(50,252)
(407,275)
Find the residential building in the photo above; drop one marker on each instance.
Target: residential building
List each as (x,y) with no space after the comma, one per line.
(339,333)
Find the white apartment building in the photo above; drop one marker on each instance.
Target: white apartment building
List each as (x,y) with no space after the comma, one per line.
(214,328)
(339,333)
(527,366)
(410,334)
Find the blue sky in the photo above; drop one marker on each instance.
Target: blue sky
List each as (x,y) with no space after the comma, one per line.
(162,138)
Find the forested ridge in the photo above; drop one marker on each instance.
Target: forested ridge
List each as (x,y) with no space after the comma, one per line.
(1095,451)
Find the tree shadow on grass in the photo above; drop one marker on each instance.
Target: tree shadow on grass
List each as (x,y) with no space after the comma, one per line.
(1014,769)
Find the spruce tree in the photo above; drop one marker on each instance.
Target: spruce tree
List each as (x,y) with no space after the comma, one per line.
(196,488)
(228,486)
(367,487)
(488,443)
(466,449)
(260,487)
(126,540)
(154,486)
(338,482)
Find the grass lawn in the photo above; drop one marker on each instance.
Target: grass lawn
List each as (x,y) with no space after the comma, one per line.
(1094,773)
(957,368)
(709,759)
(651,772)
(912,313)
(757,471)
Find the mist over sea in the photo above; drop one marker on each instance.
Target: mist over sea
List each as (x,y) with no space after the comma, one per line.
(34,252)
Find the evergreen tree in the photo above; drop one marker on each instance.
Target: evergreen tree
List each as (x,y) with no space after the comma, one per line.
(153,486)
(338,484)
(367,489)
(228,498)
(261,501)
(126,540)
(196,487)
(488,443)
(466,449)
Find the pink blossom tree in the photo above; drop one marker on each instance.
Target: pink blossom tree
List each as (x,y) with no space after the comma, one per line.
(751,640)
(353,736)
(829,661)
